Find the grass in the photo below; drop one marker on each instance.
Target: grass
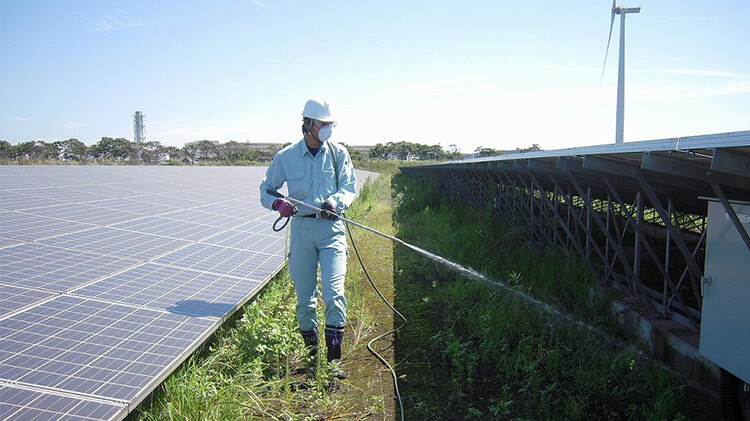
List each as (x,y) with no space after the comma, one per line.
(470,350)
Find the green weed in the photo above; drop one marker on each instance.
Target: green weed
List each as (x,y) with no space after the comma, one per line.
(472,349)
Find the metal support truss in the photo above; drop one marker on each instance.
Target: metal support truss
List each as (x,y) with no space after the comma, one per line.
(636,216)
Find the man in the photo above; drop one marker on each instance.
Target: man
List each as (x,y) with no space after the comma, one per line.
(319,173)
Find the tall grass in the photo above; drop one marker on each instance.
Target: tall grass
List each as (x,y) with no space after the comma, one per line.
(472,351)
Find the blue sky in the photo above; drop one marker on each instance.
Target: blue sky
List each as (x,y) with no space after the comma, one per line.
(473,73)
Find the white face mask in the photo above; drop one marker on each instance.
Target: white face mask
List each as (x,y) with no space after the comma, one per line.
(324,133)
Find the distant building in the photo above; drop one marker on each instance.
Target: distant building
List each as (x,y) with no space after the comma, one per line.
(263,146)
(139,128)
(364,149)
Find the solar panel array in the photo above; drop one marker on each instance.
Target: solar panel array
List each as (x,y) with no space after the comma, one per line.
(111,276)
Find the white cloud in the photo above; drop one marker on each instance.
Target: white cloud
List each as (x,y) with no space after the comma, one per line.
(23,119)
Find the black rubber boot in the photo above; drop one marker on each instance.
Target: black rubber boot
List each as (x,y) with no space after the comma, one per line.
(334,337)
(311,343)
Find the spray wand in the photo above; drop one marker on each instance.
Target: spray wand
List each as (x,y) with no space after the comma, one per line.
(460,268)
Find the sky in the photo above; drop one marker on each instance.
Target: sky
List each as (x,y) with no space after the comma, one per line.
(494,74)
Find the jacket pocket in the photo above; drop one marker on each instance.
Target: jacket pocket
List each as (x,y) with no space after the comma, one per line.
(298,184)
(329,183)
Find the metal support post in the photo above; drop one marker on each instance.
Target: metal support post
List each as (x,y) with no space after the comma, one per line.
(581,225)
(618,250)
(587,199)
(652,253)
(637,245)
(695,271)
(670,211)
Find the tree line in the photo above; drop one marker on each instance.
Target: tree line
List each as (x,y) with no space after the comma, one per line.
(408,151)
(120,150)
(482,151)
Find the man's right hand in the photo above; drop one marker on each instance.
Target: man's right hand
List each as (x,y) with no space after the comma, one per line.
(285,207)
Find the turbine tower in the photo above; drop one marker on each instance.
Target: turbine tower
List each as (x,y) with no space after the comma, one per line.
(622,11)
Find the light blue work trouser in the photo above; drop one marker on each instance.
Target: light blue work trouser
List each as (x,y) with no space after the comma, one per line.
(316,240)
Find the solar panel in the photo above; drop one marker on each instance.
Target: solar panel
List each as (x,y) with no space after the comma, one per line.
(218,220)
(61,194)
(240,239)
(111,276)
(87,213)
(18,201)
(92,347)
(117,242)
(7,242)
(169,288)
(28,404)
(54,268)
(169,228)
(221,260)
(30,227)
(13,298)
(99,192)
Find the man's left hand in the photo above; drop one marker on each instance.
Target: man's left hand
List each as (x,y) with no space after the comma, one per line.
(329,210)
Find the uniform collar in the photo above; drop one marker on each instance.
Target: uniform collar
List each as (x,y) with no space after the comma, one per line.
(303,148)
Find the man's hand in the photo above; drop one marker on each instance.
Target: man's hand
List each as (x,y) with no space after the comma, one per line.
(285,207)
(329,210)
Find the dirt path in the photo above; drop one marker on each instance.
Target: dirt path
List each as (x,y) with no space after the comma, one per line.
(367,377)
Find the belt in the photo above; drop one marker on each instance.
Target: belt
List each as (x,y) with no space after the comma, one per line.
(312,215)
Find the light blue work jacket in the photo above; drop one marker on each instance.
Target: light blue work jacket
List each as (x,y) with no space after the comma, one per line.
(311,179)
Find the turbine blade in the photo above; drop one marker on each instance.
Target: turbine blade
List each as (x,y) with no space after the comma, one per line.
(609,39)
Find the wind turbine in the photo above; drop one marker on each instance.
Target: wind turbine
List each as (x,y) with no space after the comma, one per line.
(622,11)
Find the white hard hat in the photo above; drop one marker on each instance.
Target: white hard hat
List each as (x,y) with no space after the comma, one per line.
(317,109)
